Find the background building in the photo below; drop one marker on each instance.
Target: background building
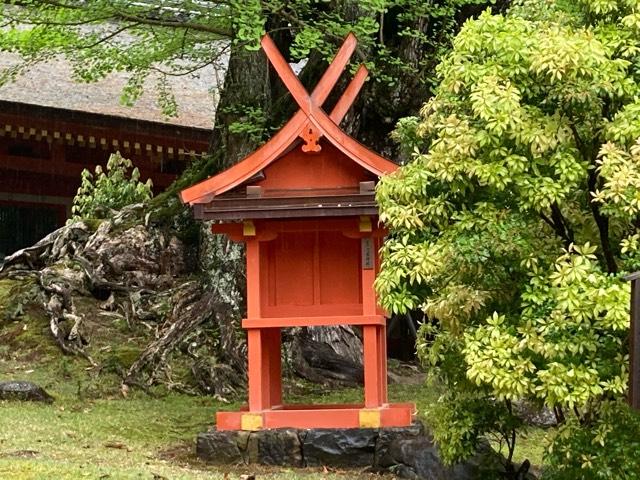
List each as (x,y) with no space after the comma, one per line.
(51,128)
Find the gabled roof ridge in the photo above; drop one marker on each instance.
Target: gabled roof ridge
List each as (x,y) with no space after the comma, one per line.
(311,115)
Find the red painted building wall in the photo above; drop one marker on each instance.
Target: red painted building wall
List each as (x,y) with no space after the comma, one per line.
(44,150)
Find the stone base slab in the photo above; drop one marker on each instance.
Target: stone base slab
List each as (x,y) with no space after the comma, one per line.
(408,452)
(345,447)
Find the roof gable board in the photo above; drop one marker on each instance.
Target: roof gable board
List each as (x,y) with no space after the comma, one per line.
(327,169)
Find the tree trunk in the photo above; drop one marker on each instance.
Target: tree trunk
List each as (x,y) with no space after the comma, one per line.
(254,103)
(246,89)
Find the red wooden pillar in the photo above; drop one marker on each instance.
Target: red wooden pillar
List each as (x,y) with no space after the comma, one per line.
(375,361)
(263,344)
(272,340)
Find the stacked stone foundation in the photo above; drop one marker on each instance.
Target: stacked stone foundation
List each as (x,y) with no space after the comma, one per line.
(408,452)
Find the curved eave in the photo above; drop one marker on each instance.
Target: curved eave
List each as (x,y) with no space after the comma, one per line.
(204,191)
(232,177)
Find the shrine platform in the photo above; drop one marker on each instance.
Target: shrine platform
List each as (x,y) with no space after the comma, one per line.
(318,416)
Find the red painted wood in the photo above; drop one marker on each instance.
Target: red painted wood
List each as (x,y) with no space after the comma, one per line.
(251,323)
(374,363)
(228,420)
(287,75)
(256,370)
(333,72)
(329,168)
(310,111)
(312,311)
(258,361)
(72,171)
(35,164)
(320,416)
(247,168)
(307,271)
(310,272)
(346,100)
(273,340)
(338,269)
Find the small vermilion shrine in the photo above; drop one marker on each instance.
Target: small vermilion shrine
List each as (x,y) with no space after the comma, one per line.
(304,205)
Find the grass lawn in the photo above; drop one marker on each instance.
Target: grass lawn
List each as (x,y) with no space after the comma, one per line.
(140,436)
(93,431)
(134,437)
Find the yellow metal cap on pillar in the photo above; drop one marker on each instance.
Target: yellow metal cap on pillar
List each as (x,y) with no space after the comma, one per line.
(248,229)
(365,224)
(251,421)
(369,418)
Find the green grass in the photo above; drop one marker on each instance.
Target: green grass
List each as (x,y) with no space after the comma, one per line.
(93,431)
(140,436)
(120,438)
(83,436)
(116,437)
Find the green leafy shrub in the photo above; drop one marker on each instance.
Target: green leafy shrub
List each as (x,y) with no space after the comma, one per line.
(519,212)
(102,192)
(607,449)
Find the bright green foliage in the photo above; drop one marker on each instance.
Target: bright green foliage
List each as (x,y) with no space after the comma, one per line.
(160,38)
(606,449)
(520,210)
(102,192)
(163,38)
(566,346)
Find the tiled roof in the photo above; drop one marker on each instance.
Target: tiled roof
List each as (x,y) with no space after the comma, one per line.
(50,84)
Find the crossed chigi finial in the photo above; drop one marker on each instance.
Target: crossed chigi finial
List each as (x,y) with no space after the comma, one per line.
(311,105)
(310,123)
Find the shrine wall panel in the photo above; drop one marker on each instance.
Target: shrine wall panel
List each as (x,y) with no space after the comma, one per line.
(310,273)
(339,269)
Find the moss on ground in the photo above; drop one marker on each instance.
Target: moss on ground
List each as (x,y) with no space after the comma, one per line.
(94,431)
(5,289)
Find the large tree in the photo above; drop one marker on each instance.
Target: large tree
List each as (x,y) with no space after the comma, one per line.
(401,41)
(513,224)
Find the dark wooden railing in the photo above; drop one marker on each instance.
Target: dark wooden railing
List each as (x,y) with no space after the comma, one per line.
(634,342)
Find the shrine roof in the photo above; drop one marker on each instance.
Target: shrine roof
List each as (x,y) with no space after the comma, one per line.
(50,84)
(310,123)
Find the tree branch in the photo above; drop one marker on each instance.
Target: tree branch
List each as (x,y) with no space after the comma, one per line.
(142,19)
(173,24)
(602,223)
(108,37)
(559,225)
(561,221)
(588,152)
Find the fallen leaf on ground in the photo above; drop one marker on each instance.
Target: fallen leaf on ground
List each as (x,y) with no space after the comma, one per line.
(22,454)
(118,445)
